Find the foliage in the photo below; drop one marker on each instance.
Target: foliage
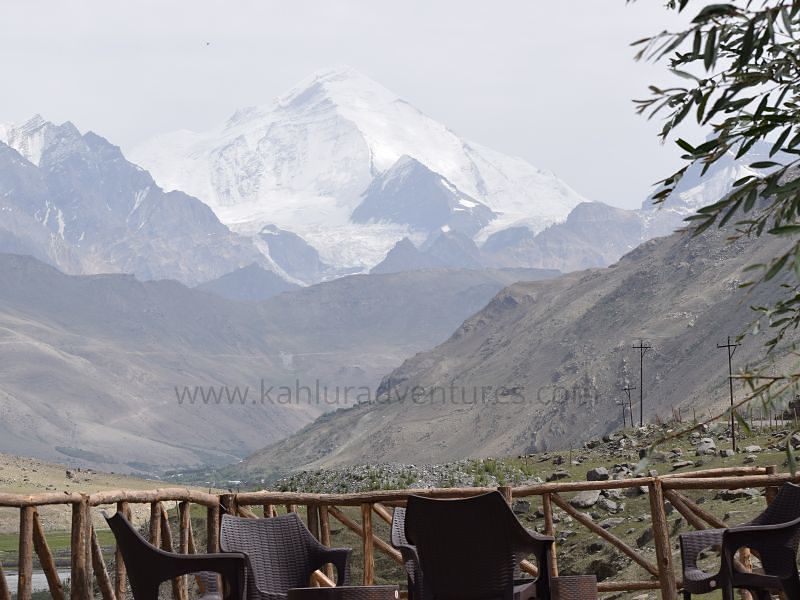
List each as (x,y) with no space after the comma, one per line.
(739,69)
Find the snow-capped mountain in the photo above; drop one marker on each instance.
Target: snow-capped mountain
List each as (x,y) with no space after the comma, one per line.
(409,193)
(74,201)
(305,161)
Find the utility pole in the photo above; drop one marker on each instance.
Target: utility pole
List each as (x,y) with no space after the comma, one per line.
(642,348)
(627,389)
(731,348)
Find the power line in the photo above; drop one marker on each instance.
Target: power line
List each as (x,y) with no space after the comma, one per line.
(731,348)
(642,348)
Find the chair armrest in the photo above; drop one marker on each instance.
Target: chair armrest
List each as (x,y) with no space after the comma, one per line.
(764,538)
(531,541)
(339,558)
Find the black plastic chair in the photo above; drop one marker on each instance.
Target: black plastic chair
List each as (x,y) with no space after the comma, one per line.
(148,567)
(409,554)
(469,549)
(281,554)
(774,535)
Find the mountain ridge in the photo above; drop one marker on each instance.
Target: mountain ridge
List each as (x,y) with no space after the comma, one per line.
(542,365)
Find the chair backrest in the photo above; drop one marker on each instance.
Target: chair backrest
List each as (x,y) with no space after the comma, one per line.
(278,549)
(784,508)
(140,556)
(466,547)
(399,527)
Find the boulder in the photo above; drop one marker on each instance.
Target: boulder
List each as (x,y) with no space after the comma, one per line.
(521,507)
(597,474)
(558,475)
(645,538)
(585,499)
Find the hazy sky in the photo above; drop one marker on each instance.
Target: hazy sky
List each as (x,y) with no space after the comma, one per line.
(551,81)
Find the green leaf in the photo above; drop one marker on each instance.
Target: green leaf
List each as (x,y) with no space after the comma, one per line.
(743,424)
(776,267)
(715,10)
(764,164)
(785,230)
(747,45)
(685,145)
(710,54)
(779,142)
(752,196)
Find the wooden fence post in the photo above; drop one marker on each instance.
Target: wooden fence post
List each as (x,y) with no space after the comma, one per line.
(178,586)
(5,593)
(313,519)
(120,584)
(658,515)
(155,524)
(325,534)
(185,512)
(80,578)
(549,529)
(212,529)
(99,565)
(369,555)
(506,491)
(25,568)
(46,559)
(771,491)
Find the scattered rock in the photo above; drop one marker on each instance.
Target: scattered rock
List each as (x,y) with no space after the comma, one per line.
(558,475)
(645,538)
(597,474)
(752,449)
(738,494)
(727,453)
(681,464)
(608,505)
(611,522)
(585,499)
(707,446)
(521,507)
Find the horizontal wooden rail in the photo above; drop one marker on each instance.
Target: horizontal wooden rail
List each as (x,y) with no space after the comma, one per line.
(355,499)
(21,500)
(159,495)
(728,483)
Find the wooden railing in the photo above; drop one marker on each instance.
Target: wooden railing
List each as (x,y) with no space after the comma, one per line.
(88,566)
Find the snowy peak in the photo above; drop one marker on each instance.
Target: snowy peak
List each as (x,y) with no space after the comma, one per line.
(36,136)
(305,162)
(341,86)
(409,193)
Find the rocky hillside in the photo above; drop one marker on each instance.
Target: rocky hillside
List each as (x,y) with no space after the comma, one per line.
(126,375)
(542,366)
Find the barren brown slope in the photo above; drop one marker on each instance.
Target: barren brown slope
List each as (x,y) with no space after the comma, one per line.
(552,356)
(105,370)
